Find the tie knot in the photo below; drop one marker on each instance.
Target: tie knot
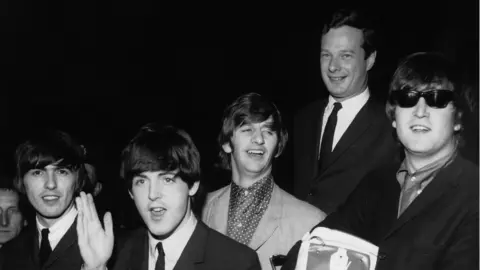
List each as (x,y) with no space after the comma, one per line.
(160,249)
(337,106)
(45,233)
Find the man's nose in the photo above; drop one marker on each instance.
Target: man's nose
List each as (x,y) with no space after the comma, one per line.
(4,219)
(51,182)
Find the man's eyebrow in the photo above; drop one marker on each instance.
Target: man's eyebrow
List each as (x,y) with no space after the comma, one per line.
(348,51)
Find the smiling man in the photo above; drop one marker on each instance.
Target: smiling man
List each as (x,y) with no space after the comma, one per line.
(161,169)
(422,213)
(339,139)
(50,172)
(253,210)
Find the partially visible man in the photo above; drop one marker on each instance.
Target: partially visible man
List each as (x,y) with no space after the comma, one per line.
(423,212)
(253,210)
(338,140)
(12,218)
(50,172)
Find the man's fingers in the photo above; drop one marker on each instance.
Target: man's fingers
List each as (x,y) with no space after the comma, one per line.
(93,210)
(80,228)
(86,208)
(108,223)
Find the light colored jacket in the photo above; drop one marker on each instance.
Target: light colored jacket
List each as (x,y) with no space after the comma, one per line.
(284,222)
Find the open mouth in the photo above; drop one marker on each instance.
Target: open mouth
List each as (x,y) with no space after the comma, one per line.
(255,153)
(157,211)
(337,79)
(419,129)
(50,198)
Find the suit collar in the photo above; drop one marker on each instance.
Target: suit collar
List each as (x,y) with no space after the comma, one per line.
(446,179)
(139,251)
(218,216)
(218,213)
(270,220)
(194,252)
(68,241)
(359,125)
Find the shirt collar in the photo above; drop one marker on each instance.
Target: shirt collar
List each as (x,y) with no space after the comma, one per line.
(58,230)
(256,186)
(406,168)
(173,246)
(353,104)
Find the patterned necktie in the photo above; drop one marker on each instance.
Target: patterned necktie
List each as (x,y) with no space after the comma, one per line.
(45,248)
(327,139)
(411,189)
(160,264)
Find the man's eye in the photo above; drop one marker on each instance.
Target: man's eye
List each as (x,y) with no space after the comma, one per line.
(269,132)
(63,172)
(169,179)
(347,56)
(139,181)
(36,172)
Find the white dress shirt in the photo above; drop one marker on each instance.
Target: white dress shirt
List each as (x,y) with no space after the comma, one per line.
(173,246)
(345,115)
(58,230)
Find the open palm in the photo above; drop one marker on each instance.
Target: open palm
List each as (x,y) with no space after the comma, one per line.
(94,241)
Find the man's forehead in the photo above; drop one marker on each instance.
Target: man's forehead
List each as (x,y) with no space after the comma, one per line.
(268,122)
(8,195)
(342,38)
(159,173)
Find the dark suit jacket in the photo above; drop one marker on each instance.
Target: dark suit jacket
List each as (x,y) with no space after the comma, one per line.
(439,230)
(206,249)
(22,252)
(368,143)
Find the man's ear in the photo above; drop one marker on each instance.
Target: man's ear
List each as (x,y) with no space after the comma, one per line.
(193,190)
(227,148)
(371,60)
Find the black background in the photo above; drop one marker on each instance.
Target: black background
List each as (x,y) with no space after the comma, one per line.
(100,70)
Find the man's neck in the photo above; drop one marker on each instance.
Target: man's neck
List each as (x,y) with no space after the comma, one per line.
(416,161)
(246,180)
(49,222)
(341,99)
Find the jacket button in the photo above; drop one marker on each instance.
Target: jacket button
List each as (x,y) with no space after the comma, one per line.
(310,193)
(382,256)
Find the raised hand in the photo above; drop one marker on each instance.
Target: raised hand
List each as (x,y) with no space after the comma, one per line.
(94,241)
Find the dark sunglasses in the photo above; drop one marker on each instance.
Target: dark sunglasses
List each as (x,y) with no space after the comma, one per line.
(434,98)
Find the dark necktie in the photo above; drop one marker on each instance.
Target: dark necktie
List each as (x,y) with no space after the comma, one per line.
(45,248)
(160,264)
(327,139)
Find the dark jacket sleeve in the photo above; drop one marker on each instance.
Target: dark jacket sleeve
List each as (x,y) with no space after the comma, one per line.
(462,253)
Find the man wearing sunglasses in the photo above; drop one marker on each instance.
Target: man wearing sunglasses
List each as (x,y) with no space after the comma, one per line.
(341,138)
(423,212)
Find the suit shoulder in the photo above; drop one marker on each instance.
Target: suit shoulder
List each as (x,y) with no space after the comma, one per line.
(470,175)
(219,242)
(17,248)
(309,109)
(294,207)
(214,194)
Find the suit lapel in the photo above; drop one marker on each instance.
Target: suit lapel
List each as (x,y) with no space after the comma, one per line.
(317,123)
(355,130)
(194,251)
(32,240)
(139,256)
(68,241)
(437,188)
(218,213)
(270,220)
